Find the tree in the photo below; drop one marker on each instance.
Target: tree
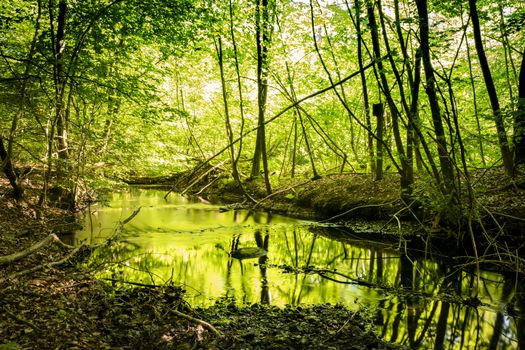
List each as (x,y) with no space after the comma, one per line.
(444,159)
(491,90)
(263,33)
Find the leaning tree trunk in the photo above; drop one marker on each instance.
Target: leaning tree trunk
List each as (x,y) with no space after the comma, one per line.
(383,84)
(491,90)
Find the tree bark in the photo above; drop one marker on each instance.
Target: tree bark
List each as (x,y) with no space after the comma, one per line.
(491,90)
(444,159)
(262,38)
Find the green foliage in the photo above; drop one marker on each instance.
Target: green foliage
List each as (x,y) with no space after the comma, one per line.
(142,89)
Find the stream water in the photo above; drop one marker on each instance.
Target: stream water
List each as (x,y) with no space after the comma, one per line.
(412,300)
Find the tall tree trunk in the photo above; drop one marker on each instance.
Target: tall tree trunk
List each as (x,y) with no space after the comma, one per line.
(474,98)
(411,111)
(263,39)
(383,82)
(519,121)
(444,159)
(239,87)
(491,90)
(229,131)
(60,83)
(364,86)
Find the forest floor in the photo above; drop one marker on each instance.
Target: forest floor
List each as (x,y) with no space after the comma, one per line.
(48,300)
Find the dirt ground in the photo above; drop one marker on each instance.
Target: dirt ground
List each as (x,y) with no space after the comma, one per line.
(49,300)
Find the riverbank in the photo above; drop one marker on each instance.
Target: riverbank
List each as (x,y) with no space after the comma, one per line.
(493,207)
(490,209)
(339,197)
(50,300)
(62,304)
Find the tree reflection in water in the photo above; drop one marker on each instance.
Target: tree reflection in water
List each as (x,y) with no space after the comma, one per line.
(413,300)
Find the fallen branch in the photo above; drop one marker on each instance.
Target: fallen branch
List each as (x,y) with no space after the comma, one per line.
(8,259)
(119,228)
(54,238)
(351,280)
(198,321)
(359,207)
(42,266)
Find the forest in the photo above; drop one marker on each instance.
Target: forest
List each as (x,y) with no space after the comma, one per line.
(408,115)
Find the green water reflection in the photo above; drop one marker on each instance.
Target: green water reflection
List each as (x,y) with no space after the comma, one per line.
(412,301)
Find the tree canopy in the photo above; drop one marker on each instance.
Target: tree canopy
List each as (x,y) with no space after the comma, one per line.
(125,87)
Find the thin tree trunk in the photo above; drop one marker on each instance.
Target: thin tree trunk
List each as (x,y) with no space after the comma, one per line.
(60,84)
(378,109)
(229,131)
(262,38)
(239,86)
(510,66)
(383,82)
(444,159)
(293,98)
(411,111)
(491,90)
(474,100)
(364,86)
(519,121)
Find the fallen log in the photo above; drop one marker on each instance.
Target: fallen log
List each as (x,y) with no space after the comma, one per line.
(11,258)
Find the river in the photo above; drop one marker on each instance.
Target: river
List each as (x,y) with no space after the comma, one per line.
(411,299)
